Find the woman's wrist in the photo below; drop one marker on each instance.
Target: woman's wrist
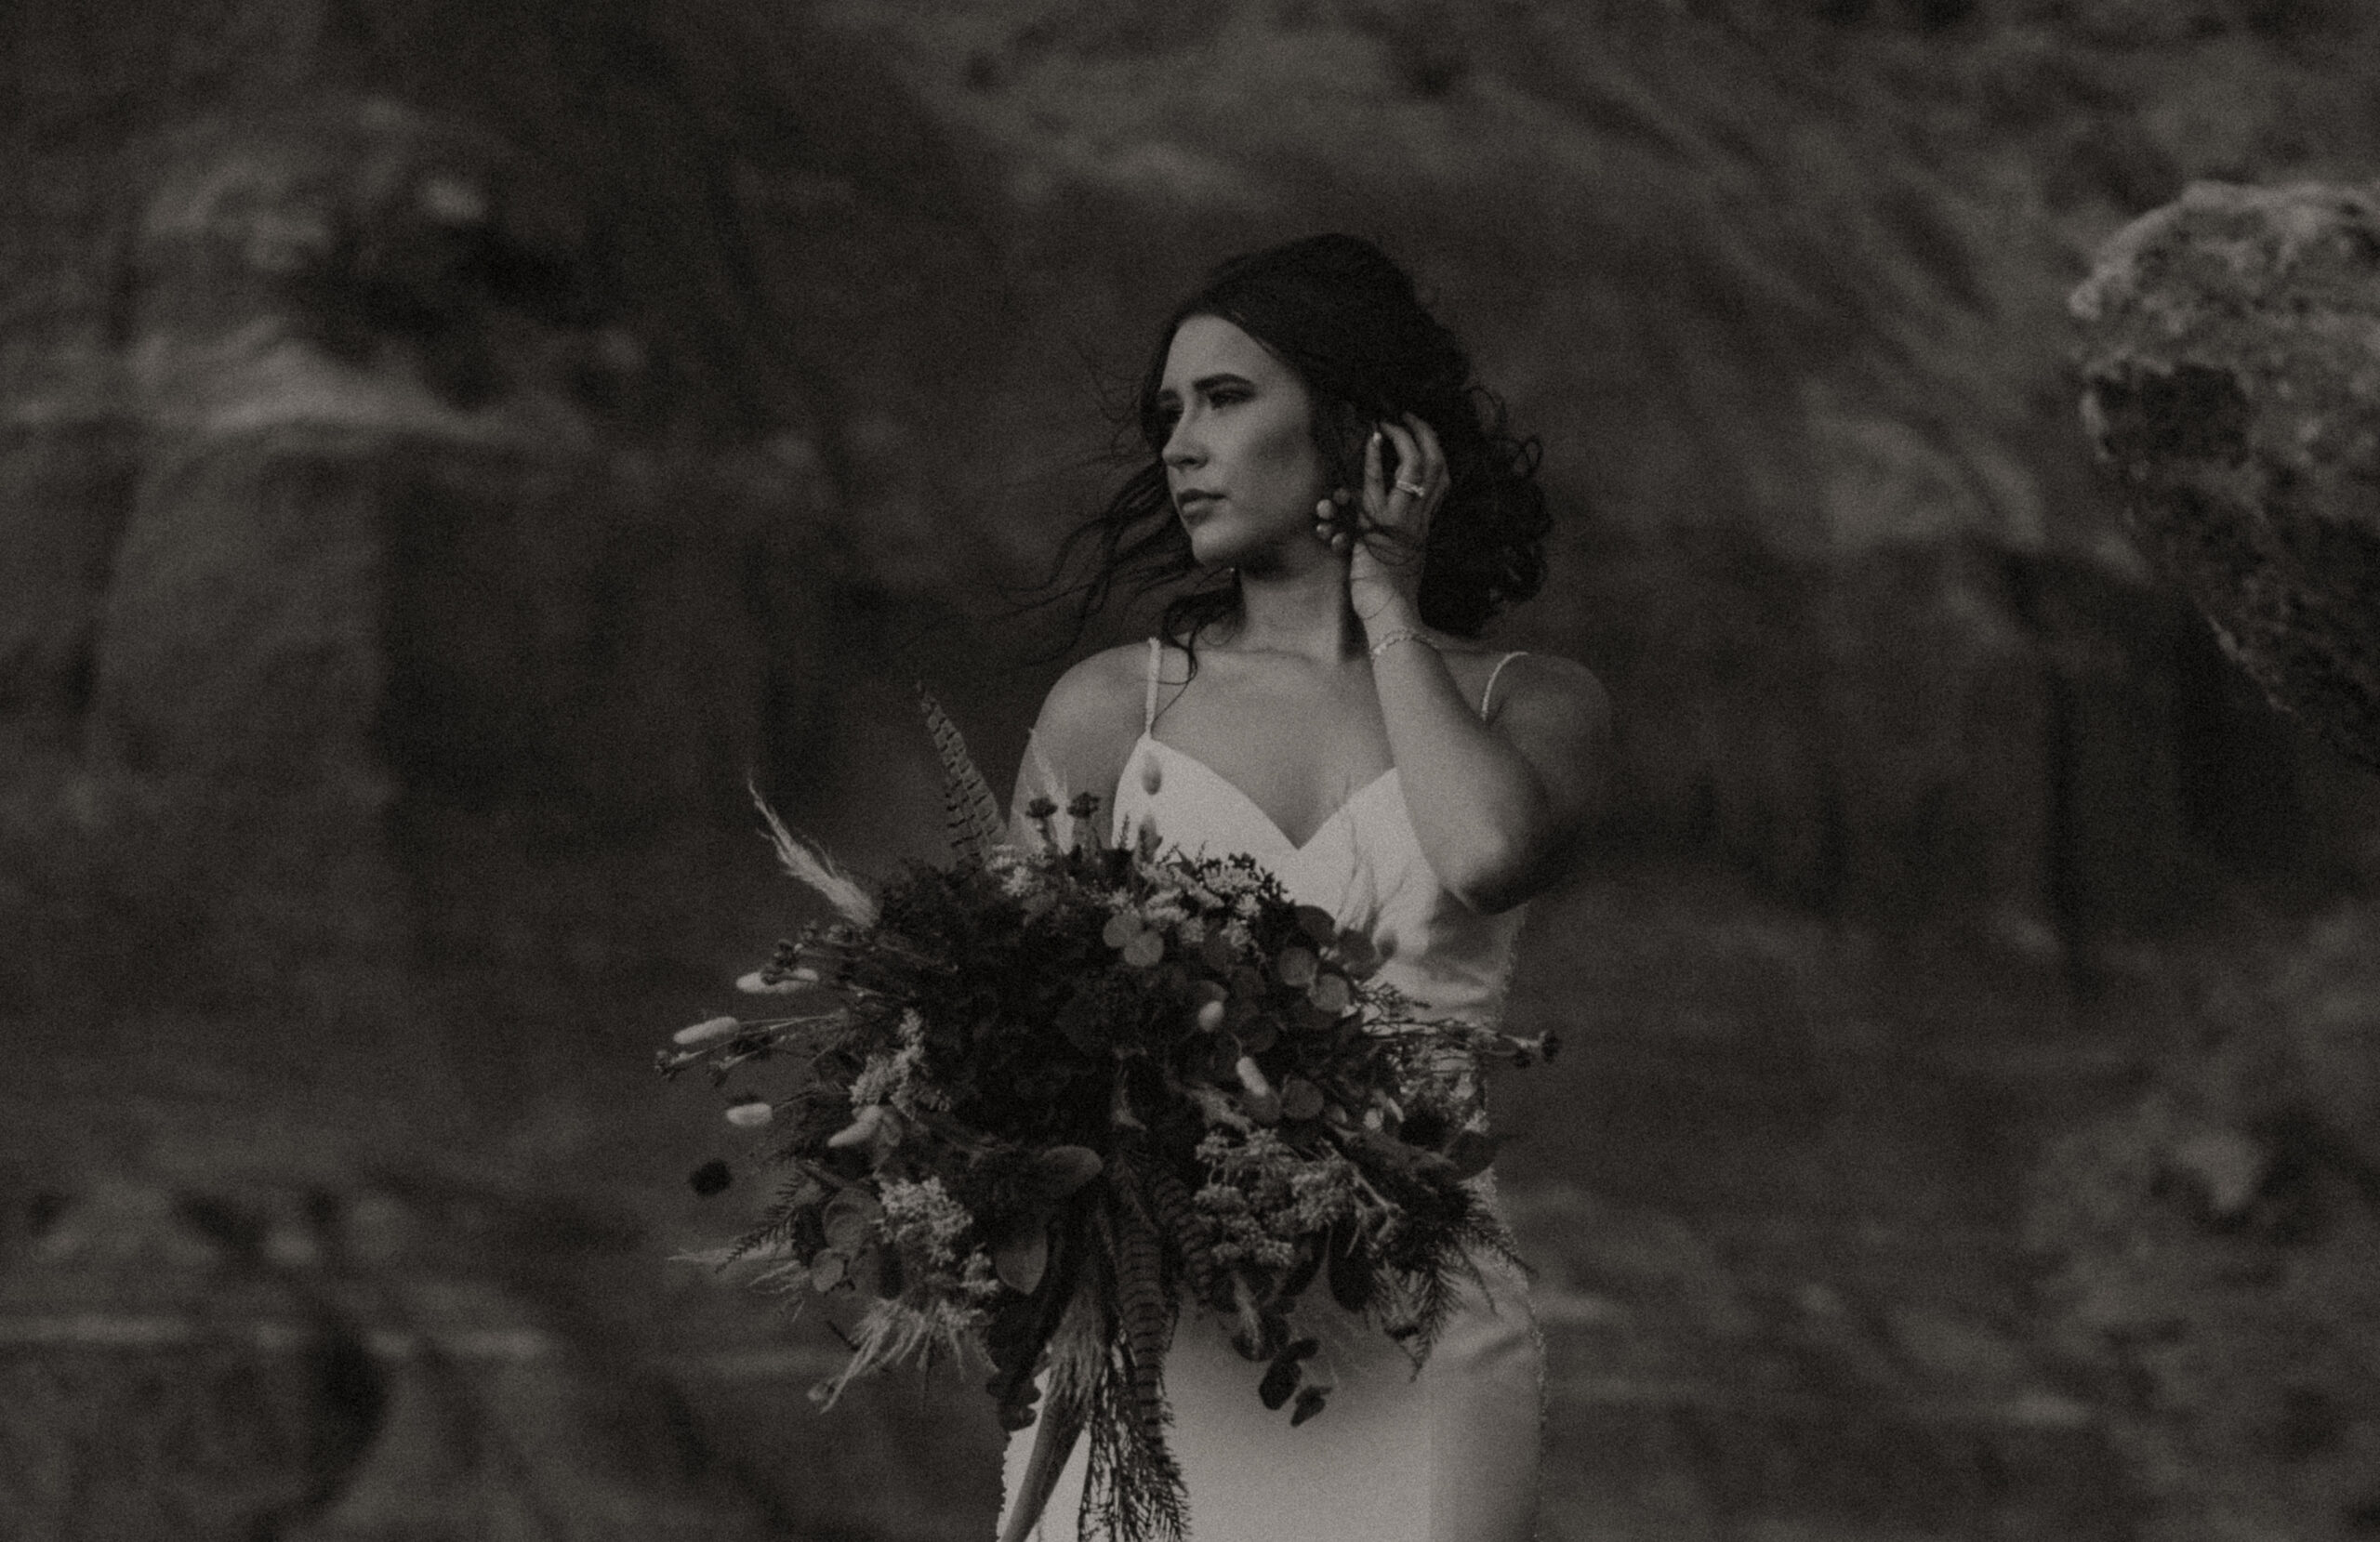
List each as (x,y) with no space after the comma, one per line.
(1386,614)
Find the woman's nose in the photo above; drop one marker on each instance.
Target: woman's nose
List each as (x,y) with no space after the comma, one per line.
(1182,447)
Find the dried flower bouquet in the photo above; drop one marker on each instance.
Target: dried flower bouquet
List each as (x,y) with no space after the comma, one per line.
(1041,1100)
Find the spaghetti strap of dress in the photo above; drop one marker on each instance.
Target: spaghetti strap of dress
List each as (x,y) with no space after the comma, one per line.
(1157,662)
(1484,696)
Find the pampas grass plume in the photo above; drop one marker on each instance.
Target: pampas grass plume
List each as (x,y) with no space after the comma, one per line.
(818,870)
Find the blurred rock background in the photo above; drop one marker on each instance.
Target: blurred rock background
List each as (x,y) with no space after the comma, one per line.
(447,448)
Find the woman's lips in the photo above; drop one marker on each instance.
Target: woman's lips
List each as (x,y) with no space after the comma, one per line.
(1197,501)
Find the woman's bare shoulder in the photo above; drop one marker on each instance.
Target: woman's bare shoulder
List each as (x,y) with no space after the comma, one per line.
(1098,691)
(1549,695)
(1550,677)
(1556,712)
(1092,717)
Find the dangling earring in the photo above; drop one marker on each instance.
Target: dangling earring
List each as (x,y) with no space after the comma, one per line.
(1330,523)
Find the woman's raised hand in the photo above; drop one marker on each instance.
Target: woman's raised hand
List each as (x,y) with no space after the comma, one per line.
(1385,558)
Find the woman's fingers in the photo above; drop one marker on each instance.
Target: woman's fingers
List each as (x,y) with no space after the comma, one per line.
(1434,454)
(1409,468)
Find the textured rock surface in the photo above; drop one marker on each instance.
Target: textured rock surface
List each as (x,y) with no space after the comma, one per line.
(380,515)
(445,445)
(2232,386)
(448,452)
(2210,1245)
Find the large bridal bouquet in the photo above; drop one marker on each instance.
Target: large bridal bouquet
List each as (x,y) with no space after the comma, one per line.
(1034,1104)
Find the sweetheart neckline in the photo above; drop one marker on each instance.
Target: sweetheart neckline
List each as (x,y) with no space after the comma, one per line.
(1295,847)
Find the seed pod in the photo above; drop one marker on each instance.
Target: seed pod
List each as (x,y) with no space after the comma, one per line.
(706,1031)
(1252,1076)
(861,1130)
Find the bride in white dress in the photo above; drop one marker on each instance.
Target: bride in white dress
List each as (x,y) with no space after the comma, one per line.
(1349,514)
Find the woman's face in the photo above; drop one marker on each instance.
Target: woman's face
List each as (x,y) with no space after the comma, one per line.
(1239,452)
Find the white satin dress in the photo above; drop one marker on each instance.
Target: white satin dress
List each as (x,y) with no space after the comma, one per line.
(1449,1455)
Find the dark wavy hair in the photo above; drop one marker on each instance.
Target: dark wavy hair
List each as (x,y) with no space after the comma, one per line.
(1340,312)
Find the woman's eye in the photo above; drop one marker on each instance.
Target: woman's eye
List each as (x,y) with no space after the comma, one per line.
(1224,395)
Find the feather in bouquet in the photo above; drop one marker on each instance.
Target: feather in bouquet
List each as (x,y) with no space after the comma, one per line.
(1035,1104)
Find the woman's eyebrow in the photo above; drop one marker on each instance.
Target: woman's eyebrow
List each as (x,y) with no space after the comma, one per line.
(1166,396)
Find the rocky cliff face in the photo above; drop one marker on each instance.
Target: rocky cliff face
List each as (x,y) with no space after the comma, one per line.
(2231,386)
(448,447)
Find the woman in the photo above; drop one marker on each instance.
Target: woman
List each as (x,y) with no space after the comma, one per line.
(1322,704)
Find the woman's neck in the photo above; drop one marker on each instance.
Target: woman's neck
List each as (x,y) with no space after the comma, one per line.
(1303,611)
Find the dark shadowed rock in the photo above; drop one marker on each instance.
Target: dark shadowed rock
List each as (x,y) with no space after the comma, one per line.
(448,452)
(375,505)
(447,445)
(2230,386)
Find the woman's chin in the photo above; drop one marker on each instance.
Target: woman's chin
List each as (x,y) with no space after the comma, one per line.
(1219,548)
(1218,543)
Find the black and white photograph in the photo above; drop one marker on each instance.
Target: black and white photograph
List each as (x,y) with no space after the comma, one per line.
(1189,771)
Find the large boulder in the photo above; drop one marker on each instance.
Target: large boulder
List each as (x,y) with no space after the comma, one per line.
(2230,387)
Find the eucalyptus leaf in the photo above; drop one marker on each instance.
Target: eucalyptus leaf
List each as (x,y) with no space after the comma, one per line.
(1061,1170)
(1470,1154)
(1022,1258)
(1296,967)
(849,1217)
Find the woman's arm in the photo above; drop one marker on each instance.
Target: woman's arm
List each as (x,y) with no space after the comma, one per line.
(1496,806)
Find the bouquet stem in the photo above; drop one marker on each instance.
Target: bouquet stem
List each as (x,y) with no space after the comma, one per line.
(1053,1442)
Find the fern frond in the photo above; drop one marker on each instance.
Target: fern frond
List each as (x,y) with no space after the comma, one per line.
(971,814)
(1132,1489)
(816,869)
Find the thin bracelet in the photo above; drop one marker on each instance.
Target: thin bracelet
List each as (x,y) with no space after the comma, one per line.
(1402,634)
